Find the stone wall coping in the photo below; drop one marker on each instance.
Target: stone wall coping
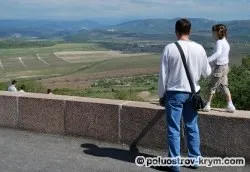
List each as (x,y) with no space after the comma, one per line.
(123,103)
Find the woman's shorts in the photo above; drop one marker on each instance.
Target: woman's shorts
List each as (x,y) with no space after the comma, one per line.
(219,79)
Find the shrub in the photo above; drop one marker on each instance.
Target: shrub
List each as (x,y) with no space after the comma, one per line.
(239,85)
(127,95)
(31,86)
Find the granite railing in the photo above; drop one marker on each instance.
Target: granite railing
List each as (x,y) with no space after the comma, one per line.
(222,134)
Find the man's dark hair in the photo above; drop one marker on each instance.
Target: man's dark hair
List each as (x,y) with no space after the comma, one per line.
(49,91)
(183,27)
(13,82)
(22,87)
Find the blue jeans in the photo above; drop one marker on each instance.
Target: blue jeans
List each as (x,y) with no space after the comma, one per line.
(179,104)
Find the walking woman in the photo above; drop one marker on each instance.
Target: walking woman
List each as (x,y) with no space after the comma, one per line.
(220,73)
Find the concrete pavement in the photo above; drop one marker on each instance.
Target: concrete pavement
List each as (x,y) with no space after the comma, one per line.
(23,151)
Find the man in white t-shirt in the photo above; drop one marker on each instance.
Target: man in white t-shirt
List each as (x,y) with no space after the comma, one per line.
(12,87)
(175,92)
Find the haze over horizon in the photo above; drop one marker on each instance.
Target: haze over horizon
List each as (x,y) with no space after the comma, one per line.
(124,10)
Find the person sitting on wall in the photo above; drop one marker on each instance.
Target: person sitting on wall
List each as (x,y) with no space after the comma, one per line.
(22,88)
(12,87)
(49,92)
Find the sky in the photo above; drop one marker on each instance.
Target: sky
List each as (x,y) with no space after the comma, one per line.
(118,10)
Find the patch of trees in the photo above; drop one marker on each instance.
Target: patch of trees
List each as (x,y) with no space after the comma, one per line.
(133,47)
(15,43)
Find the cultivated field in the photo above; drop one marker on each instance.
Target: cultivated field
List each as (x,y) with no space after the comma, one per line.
(93,56)
(72,65)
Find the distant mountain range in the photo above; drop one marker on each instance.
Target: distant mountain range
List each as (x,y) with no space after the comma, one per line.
(43,28)
(44,24)
(161,26)
(47,29)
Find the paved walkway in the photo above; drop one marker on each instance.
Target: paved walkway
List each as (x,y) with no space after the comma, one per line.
(22,151)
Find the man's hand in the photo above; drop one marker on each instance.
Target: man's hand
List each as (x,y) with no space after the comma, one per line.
(162,101)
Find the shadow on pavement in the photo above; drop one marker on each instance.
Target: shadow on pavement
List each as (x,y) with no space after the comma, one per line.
(118,154)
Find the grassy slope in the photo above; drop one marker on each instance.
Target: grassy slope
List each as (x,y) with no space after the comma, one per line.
(120,88)
(126,63)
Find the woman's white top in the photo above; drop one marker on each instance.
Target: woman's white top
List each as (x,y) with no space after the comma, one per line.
(221,55)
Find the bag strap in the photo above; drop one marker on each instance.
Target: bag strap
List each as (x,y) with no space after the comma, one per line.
(186,67)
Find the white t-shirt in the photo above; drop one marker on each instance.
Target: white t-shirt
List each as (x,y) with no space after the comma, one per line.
(172,76)
(221,55)
(12,88)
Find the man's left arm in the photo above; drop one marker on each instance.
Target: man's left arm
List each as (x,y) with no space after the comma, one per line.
(163,75)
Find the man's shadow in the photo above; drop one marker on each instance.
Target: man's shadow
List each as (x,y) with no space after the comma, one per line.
(117,154)
(125,155)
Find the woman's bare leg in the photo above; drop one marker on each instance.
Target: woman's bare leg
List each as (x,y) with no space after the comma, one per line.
(210,97)
(228,97)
